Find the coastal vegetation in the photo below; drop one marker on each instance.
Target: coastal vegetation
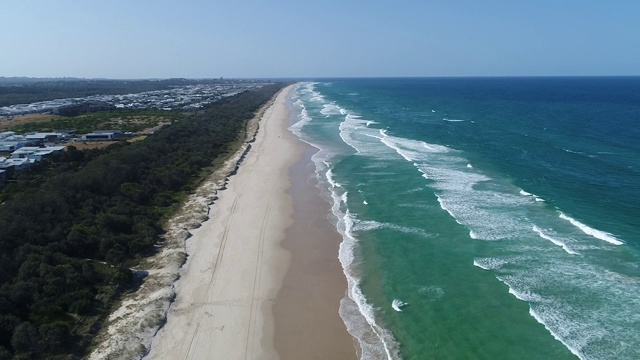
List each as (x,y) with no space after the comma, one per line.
(71,229)
(125,120)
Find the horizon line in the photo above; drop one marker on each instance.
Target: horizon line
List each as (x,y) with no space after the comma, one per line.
(311,77)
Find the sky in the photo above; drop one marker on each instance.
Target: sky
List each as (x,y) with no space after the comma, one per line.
(321,38)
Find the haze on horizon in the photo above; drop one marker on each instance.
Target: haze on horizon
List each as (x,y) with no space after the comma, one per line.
(283,38)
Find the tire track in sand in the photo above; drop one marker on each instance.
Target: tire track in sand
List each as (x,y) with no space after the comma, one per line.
(251,331)
(216,266)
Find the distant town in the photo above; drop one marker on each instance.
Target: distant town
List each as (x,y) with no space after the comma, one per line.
(188,97)
(29,148)
(19,151)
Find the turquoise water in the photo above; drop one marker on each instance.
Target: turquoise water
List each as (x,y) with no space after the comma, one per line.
(483,218)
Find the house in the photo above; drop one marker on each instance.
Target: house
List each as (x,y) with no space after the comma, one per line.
(36,153)
(11,165)
(8,146)
(65,134)
(41,138)
(6,166)
(6,134)
(103,135)
(9,141)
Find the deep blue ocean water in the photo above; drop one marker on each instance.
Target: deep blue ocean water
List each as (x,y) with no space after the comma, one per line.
(483,218)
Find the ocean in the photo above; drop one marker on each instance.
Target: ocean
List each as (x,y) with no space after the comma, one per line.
(483,218)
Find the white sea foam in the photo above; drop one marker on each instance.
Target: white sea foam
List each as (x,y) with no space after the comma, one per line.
(380,173)
(369,225)
(547,312)
(573,152)
(317,98)
(524,296)
(309,89)
(535,197)
(488,210)
(332,182)
(432,292)
(377,342)
(469,166)
(598,234)
(477,209)
(346,131)
(457,190)
(398,304)
(588,326)
(453,120)
(554,241)
(358,314)
(414,190)
(573,350)
(303,120)
(490,263)
(411,150)
(331,109)
(355,132)
(444,207)
(343,197)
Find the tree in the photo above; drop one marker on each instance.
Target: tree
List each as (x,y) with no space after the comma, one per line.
(25,338)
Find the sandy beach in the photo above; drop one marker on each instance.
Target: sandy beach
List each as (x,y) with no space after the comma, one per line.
(261,282)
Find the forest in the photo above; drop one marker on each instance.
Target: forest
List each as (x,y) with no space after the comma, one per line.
(76,225)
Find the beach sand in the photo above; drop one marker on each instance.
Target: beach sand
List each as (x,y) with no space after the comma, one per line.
(262,280)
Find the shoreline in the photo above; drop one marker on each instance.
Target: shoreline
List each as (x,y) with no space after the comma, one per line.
(307,320)
(231,299)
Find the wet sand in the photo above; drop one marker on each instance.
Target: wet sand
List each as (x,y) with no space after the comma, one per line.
(307,322)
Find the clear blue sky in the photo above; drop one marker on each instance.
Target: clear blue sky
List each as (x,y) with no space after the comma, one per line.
(284,38)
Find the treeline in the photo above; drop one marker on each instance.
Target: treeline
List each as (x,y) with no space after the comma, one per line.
(67,243)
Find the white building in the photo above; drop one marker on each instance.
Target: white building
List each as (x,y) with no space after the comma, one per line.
(8,146)
(39,137)
(103,135)
(6,134)
(36,153)
(16,164)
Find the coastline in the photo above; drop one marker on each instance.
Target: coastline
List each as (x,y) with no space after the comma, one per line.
(242,274)
(307,321)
